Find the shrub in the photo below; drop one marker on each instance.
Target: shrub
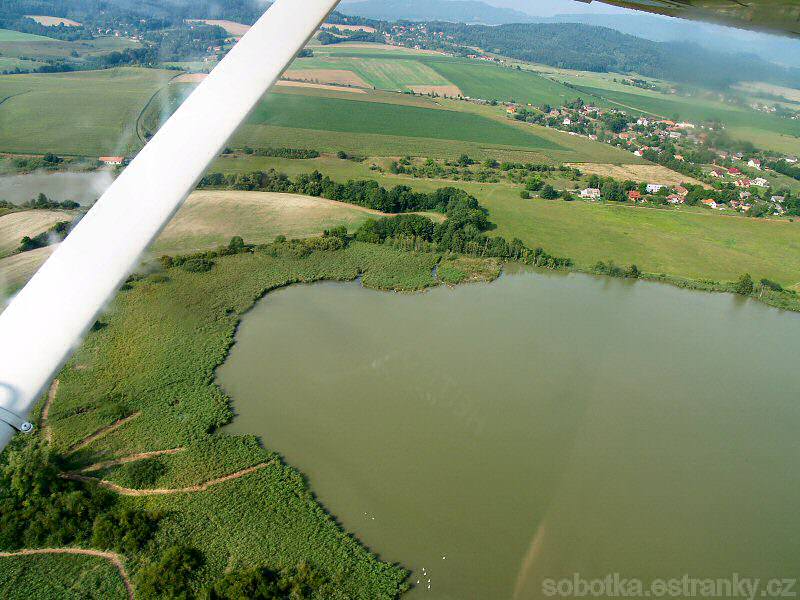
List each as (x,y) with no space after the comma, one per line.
(744,285)
(170,576)
(143,473)
(198,265)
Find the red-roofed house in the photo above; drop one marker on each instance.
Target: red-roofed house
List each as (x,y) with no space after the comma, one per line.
(709,202)
(112,160)
(634,196)
(734,171)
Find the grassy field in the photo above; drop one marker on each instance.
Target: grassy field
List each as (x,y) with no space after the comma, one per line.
(339,115)
(695,243)
(9,35)
(59,577)
(382,73)
(85,113)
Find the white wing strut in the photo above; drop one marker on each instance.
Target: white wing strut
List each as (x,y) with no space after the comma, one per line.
(46,321)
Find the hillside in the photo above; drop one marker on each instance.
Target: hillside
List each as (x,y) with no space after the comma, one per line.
(456,11)
(592,48)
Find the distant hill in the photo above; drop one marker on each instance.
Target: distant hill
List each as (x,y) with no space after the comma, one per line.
(778,49)
(454,11)
(594,48)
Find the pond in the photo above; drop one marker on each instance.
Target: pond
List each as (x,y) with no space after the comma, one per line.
(545,426)
(84,188)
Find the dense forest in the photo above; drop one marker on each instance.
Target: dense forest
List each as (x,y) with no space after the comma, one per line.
(591,48)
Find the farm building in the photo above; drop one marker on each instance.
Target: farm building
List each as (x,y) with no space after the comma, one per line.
(114,161)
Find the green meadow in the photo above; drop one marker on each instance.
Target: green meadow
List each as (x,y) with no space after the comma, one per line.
(329,114)
(82,113)
(9,35)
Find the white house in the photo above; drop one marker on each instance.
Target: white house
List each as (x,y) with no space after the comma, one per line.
(642,121)
(591,193)
(639,152)
(760,182)
(567,121)
(755,163)
(654,188)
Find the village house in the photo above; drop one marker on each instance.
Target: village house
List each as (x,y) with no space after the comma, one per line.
(709,202)
(734,171)
(684,125)
(679,157)
(744,183)
(591,193)
(674,135)
(760,182)
(567,121)
(755,163)
(675,199)
(790,159)
(634,196)
(717,173)
(744,195)
(654,188)
(642,121)
(112,161)
(639,152)
(681,191)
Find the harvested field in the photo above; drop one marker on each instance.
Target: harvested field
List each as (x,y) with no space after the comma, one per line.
(210,217)
(15,226)
(440,90)
(366,28)
(53,21)
(320,86)
(190,78)
(775,90)
(646,173)
(232,27)
(16,270)
(334,76)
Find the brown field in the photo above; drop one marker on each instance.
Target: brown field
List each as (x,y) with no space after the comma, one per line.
(190,78)
(53,21)
(348,27)
(232,27)
(16,270)
(320,86)
(441,90)
(335,76)
(646,173)
(15,226)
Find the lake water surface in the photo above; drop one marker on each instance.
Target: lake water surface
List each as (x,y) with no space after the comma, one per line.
(544,425)
(83,188)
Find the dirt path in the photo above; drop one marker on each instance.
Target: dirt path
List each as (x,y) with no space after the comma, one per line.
(99,466)
(114,559)
(102,432)
(202,487)
(51,395)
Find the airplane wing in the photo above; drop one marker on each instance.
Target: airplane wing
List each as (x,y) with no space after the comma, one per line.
(776,16)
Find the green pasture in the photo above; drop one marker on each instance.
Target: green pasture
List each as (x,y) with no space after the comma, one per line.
(329,114)
(84,113)
(9,35)
(382,73)
(697,244)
